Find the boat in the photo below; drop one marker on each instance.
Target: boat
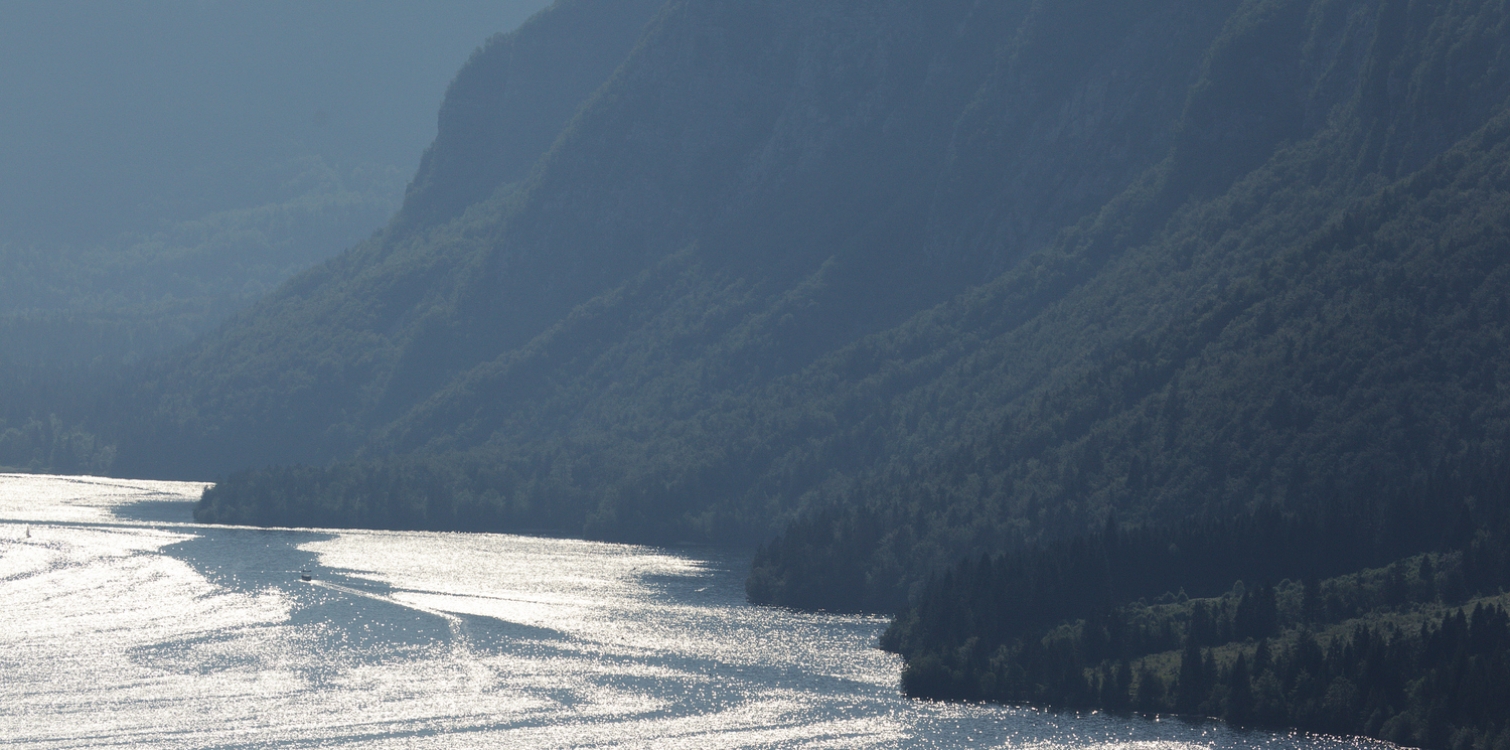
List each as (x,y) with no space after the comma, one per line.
(305,575)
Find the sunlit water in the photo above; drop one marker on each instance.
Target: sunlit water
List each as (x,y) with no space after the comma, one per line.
(123,624)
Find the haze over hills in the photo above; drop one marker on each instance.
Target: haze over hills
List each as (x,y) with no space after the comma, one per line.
(902,283)
(128,118)
(171,162)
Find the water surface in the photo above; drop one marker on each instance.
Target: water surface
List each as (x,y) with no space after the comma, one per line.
(124,624)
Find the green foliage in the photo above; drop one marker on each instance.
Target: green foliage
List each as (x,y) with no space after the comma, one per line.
(1138,620)
(51,445)
(1417,675)
(1316,331)
(88,317)
(427,495)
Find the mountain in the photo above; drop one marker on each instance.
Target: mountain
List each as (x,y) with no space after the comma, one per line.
(894,284)
(1326,326)
(721,180)
(1043,324)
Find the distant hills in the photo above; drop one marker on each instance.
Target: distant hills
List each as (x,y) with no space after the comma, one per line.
(167,164)
(126,118)
(893,284)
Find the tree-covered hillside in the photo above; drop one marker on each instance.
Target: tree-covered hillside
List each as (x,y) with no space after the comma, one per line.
(1319,331)
(756,186)
(896,284)
(1355,618)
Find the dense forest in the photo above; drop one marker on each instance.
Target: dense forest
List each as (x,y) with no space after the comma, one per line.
(1142,354)
(1383,616)
(1412,669)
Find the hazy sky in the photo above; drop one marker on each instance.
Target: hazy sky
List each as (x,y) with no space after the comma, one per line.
(125,116)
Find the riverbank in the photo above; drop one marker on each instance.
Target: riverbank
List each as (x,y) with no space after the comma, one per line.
(1396,653)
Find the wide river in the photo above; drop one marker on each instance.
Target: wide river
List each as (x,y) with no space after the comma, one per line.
(122,623)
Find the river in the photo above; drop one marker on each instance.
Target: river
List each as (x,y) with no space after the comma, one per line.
(122,623)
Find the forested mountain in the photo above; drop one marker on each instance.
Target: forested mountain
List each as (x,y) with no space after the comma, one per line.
(754,187)
(1029,263)
(902,283)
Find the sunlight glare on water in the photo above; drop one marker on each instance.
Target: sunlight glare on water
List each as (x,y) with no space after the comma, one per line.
(123,624)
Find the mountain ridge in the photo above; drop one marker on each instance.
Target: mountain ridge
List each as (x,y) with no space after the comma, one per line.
(906,285)
(430,344)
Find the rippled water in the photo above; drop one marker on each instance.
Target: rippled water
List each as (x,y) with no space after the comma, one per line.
(122,624)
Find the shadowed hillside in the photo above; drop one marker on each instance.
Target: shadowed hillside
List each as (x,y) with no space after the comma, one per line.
(893,285)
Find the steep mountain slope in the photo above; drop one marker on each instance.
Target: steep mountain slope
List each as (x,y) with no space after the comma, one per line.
(255,394)
(1352,398)
(925,280)
(1262,348)
(793,166)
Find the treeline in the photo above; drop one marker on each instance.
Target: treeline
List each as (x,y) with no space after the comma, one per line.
(1419,675)
(49,417)
(1116,565)
(1084,571)
(432,493)
(1137,620)
(51,445)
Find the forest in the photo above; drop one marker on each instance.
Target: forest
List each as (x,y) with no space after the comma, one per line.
(1385,618)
